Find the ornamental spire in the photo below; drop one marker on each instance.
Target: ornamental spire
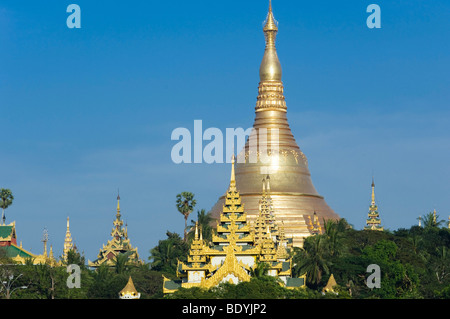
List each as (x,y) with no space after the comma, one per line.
(373,191)
(270,86)
(270,69)
(373,221)
(68,243)
(233,177)
(118,202)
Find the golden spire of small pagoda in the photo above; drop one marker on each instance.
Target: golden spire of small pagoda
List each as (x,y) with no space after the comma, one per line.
(118,244)
(373,191)
(232,186)
(118,204)
(373,221)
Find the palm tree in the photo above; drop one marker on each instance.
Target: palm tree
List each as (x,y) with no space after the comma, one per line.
(441,267)
(185,205)
(121,262)
(431,220)
(260,270)
(6,199)
(204,223)
(164,257)
(313,260)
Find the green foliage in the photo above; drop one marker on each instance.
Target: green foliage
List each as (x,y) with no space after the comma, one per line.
(313,259)
(6,200)
(185,204)
(204,223)
(414,263)
(165,256)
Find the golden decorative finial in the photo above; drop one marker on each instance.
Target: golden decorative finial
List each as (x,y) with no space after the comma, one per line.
(268,183)
(118,202)
(373,191)
(196,231)
(271,24)
(68,244)
(264,185)
(270,69)
(232,178)
(51,252)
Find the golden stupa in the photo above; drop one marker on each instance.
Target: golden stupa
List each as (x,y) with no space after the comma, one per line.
(276,155)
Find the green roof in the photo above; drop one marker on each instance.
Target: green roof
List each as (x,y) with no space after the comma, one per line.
(14,251)
(5,231)
(172,284)
(285,265)
(295,282)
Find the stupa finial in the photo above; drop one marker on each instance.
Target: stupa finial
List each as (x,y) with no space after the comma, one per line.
(270,69)
(232,178)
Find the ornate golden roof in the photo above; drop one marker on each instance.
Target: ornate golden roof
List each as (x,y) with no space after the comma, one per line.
(330,284)
(118,244)
(68,244)
(129,291)
(373,221)
(234,251)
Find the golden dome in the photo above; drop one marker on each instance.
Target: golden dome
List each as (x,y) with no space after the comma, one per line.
(278,155)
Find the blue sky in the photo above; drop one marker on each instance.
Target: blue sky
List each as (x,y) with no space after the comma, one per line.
(86,111)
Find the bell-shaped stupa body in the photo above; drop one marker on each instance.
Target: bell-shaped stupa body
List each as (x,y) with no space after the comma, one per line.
(272,150)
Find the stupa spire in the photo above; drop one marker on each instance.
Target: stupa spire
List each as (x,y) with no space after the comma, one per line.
(232,177)
(270,69)
(373,191)
(275,152)
(373,221)
(118,203)
(68,244)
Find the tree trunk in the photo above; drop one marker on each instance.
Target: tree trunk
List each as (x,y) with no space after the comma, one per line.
(185,227)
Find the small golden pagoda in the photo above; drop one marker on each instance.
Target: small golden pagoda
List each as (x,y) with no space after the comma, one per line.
(234,251)
(331,284)
(313,225)
(129,291)
(68,243)
(119,244)
(373,221)
(279,155)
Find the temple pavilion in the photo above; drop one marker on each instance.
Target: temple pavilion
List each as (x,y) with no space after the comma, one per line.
(237,247)
(119,244)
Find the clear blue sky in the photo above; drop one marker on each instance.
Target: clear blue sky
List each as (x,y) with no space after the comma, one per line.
(86,111)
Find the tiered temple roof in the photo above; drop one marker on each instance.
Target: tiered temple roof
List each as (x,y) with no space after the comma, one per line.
(68,243)
(373,221)
(234,251)
(119,244)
